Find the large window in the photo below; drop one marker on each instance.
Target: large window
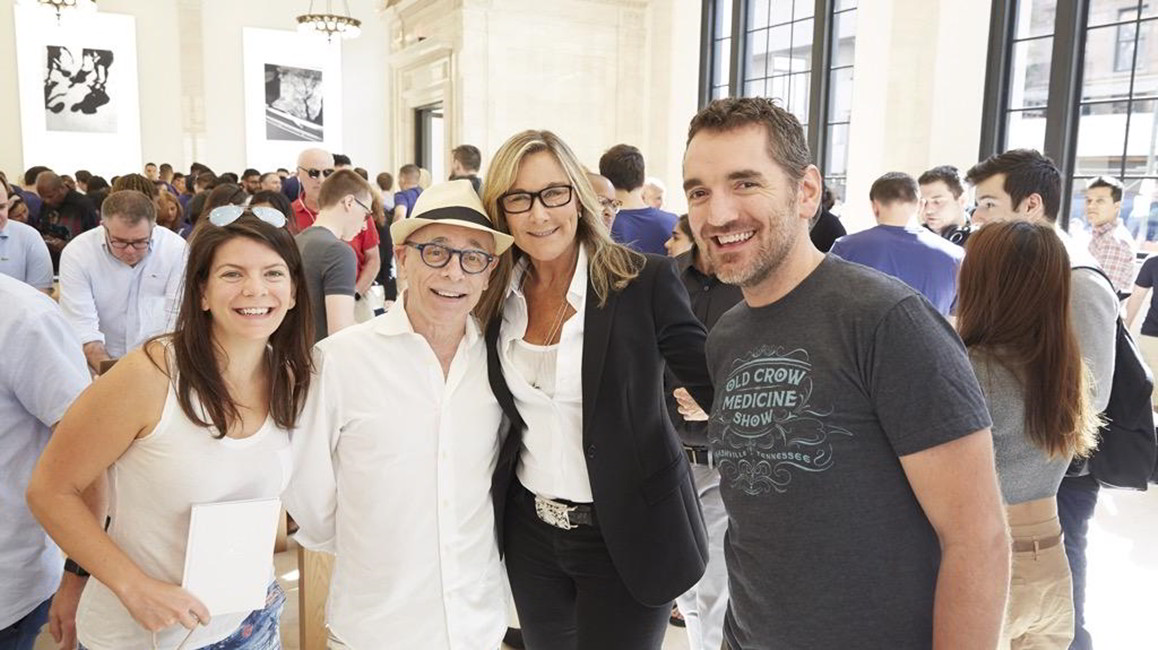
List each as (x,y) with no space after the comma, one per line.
(717,52)
(840,95)
(1078,80)
(781,49)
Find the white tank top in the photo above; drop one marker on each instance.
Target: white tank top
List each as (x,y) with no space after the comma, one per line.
(154,485)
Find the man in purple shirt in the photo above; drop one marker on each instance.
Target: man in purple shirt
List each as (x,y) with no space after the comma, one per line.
(901,248)
(637,225)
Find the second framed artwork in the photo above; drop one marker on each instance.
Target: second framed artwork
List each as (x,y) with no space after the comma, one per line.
(293,95)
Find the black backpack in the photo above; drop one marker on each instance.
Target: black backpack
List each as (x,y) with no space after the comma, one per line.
(1127,453)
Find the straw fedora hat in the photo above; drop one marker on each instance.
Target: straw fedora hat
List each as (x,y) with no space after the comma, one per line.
(453,203)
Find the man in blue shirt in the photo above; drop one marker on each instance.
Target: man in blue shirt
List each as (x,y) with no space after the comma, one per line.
(637,225)
(407,196)
(23,253)
(901,248)
(43,372)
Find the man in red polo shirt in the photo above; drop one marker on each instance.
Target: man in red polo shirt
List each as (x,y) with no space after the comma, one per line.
(314,166)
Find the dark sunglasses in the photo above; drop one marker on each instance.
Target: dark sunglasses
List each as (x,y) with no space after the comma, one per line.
(314,172)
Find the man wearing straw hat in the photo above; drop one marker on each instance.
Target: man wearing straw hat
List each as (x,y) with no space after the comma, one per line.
(393,458)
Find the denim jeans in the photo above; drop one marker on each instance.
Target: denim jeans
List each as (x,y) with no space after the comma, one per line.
(1076,500)
(22,634)
(259,630)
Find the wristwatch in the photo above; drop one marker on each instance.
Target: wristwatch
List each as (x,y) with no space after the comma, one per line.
(73,567)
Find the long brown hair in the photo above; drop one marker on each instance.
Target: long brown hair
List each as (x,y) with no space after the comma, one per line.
(611,266)
(195,352)
(1013,301)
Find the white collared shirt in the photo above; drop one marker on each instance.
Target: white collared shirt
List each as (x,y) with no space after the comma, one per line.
(109,301)
(551,463)
(392,473)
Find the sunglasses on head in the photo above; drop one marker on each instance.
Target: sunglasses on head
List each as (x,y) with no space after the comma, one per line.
(227,214)
(314,172)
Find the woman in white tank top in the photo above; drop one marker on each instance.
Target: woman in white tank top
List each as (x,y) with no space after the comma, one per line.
(197,416)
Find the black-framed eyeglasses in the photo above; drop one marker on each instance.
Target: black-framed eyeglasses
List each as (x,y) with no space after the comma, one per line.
(122,244)
(550,197)
(362,205)
(437,255)
(227,214)
(314,172)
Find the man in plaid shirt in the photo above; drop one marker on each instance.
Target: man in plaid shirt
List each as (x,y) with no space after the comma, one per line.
(1110,243)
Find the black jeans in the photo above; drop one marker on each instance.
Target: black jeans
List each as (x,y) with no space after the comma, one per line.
(567,591)
(1076,499)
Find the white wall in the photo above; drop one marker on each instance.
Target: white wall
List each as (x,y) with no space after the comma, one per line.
(919,90)
(183,118)
(674,63)
(597,72)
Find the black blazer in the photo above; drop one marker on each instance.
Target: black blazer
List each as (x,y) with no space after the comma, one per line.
(645,499)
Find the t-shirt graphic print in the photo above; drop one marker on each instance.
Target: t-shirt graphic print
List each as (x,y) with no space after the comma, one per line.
(767,426)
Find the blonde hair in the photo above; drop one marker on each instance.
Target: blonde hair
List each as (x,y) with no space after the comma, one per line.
(611,267)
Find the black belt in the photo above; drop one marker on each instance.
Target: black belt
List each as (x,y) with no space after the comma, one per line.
(699,455)
(560,513)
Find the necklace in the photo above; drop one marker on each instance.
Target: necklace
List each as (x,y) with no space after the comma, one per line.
(556,326)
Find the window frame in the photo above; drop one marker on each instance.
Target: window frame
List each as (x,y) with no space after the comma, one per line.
(1063,104)
(819,76)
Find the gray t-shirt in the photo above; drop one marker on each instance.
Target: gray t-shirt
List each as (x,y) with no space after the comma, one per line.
(818,395)
(1026,472)
(331,269)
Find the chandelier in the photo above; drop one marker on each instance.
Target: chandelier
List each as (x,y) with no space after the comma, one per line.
(329,23)
(60,6)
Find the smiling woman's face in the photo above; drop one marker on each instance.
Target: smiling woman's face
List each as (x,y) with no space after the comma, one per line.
(248,291)
(543,233)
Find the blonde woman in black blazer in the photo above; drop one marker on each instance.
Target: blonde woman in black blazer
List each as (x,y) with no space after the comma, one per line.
(595,507)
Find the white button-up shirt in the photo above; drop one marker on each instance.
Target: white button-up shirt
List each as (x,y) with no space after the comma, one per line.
(42,373)
(551,463)
(109,301)
(392,473)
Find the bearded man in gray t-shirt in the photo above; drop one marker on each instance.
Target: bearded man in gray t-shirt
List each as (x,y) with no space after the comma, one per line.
(852,438)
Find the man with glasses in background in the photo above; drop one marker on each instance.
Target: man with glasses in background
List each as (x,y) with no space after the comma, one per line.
(398,454)
(314,167)
(607,200)
(119,284)
(330,265)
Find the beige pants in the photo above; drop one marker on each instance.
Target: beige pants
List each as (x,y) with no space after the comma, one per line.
(1148,345)
(1040,612)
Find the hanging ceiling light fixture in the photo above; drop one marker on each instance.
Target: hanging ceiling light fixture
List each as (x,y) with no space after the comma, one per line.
(60,6)
(330,23)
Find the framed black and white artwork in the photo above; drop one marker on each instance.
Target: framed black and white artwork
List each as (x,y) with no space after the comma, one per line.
(78,89)
(293,95)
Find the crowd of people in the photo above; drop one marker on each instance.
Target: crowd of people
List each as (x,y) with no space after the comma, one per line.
(741,420)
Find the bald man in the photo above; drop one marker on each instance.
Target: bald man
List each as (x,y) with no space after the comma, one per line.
(64,214)
(606,193)
(315,166)
(653,190)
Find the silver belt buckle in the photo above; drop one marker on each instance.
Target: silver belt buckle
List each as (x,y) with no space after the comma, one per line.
(553,513)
